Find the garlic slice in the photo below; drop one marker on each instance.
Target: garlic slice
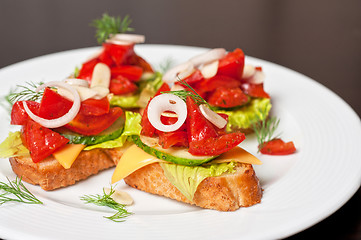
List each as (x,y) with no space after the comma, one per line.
(248,71)
(210,69)
(120,196)
(180,71)
(101,76)
(212,116)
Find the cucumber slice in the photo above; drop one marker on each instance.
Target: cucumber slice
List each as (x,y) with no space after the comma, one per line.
(177,155)
(112,132)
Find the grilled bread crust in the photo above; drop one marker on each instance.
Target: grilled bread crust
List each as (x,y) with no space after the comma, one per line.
(227,192)
(50,175)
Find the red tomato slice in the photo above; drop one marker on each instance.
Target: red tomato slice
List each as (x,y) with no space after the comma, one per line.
(227,97)
(95,107)
(255,90)
(217,81)
(136,60)
(216,145)
(278,147)
(93,125)
(132,73)
(164,88)
(196,76)
(41,141)
(198,126)
(18,114)
(86,70)
(119,53)
(122,85)
(176,138)
(232,64)
(53,105)
(105,58)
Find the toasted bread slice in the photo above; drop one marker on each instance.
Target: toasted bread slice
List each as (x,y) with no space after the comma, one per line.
(224,193)
(50,175)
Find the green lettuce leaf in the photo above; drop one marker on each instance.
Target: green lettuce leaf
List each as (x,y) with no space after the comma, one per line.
(148,86)
(12,146)
(256,110)
(131,127)
(186,179)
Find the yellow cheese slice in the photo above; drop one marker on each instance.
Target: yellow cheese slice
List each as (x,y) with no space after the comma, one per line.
(132,159)
(237,154)
(67,154)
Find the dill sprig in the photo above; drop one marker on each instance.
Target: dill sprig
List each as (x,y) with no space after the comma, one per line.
(24,92)
(265,130)
(108,25)
(107,201)
(15,191)
(189,91)
(165,65)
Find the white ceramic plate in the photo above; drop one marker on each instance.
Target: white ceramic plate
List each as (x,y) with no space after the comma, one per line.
(299,190)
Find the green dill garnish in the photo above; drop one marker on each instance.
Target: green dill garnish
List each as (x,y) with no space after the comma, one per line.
(108,25)
(165,65)
(265,130)
(107,201)
(25,92)
(189,91)
(15,191)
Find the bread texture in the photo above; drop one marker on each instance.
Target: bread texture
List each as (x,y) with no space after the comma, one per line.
(50,175)
(227,192)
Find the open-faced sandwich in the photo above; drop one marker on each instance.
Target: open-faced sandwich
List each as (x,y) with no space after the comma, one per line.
(227,84)
(185,153)
(70,134)
(133,80)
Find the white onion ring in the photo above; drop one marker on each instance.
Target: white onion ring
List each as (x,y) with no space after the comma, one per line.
(210,56)
(182,71)
(212,116)
(134,38)
(166,102)
(61,121)
(77,82)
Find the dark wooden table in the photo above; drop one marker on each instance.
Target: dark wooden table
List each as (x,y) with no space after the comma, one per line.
(321,39)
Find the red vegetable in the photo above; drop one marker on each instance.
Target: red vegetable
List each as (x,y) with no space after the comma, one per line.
(41,141)
(95,107)
(93,125)
(232,64)
(227,97)
(18,113)
(121,85)
(278,147)
(132,73)
(53,105)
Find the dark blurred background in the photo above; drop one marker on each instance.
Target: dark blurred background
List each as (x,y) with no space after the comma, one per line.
(319,38)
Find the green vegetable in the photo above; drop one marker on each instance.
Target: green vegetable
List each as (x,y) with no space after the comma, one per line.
(18,192)
(265,129)
(243,118)
(131,127)
(187,179)
(108,25)
(173,154)
(107,201)
(13,146)
(111,133)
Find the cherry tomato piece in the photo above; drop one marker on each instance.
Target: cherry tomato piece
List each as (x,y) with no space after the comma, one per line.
(53,105)
(95,107)
(41,141)
(216,145)
(93,125)
(18,114)
(278,147)
(232,64)
(133,73)
(227,97)
(122,85)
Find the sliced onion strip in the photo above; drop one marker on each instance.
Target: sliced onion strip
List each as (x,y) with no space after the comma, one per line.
(132,38)
(166,102)
(212,116)
(210,56)
(248,71)
(182,71)
(61,121)
(257,78)
(210,69)
(77,82)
